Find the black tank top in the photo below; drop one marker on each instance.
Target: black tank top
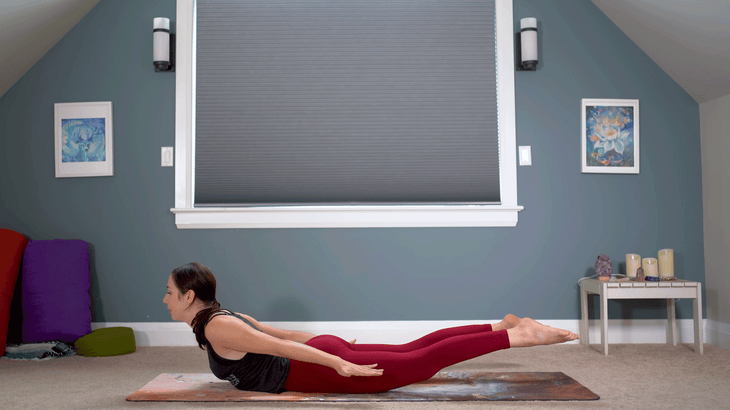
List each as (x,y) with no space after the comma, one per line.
(253,372)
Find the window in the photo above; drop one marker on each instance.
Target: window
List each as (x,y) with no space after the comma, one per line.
(188,214)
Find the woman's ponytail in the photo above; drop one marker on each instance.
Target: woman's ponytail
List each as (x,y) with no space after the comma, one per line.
(201,319)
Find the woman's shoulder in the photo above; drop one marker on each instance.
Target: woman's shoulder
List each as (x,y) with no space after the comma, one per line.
(218,325)
(220,331)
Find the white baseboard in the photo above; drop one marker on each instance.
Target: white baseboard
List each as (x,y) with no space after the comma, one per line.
(396,332)
(718,334)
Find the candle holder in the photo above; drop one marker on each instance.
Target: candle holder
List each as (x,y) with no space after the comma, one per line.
(666,263)
(650,269)
(633,262)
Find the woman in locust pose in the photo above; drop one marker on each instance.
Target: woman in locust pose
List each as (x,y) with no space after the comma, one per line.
(257,357)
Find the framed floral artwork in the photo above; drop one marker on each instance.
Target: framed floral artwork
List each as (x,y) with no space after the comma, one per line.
(610,136)
(84,139)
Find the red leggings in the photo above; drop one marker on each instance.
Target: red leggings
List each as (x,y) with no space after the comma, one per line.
(402,365)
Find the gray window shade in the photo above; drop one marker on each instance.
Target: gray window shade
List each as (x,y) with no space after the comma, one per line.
(345,102)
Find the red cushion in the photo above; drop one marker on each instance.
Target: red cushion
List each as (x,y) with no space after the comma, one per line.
(12,245)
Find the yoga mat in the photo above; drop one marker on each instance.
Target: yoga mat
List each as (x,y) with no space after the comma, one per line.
(444,386)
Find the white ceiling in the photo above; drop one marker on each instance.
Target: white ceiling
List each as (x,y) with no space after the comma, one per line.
(689,39)
(29,28)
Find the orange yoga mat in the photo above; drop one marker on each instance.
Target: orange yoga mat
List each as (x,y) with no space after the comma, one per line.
(445,386)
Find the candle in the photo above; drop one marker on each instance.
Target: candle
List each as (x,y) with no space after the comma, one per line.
(633,262)
(666,263)
(650,267)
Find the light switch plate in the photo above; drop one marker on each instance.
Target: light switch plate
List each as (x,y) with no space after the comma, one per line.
(166,156)
(525,155)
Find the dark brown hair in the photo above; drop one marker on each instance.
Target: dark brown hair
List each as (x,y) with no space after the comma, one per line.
(200,280)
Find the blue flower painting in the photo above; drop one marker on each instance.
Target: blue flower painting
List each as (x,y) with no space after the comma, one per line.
(609,136)
(84,140)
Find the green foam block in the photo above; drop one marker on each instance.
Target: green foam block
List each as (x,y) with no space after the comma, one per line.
(108,341)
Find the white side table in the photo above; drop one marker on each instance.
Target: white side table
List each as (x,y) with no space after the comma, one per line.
(642,290)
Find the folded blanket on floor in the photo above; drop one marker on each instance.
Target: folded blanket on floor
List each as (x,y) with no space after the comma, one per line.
(38,351)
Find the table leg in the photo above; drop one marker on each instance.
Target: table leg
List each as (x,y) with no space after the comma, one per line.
(671,323)
(584,317)
(604,320)
(697,308)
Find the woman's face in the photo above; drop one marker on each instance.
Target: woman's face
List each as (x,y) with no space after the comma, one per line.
(174,300)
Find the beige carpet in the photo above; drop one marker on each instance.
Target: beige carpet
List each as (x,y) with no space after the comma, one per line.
(637,376)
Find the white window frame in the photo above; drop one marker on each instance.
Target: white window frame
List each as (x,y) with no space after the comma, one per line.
(187,216)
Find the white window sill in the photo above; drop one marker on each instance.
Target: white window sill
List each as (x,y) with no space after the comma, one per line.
(348,216)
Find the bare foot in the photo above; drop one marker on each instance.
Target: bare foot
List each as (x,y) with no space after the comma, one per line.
(508,322)
(531,333)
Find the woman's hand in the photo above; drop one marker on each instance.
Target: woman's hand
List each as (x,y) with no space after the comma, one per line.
(352,342)
(347,369)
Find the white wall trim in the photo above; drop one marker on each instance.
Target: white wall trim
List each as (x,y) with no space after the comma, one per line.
(396,332)
(187,216)
(718,334)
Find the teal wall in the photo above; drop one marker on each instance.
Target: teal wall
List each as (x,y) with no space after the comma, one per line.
(362,274)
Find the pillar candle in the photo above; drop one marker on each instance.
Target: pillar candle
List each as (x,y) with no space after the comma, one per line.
(633,262)
(666,263)
(650,267)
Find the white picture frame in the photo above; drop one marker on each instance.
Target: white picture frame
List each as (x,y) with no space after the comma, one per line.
(84,139)
(609,136)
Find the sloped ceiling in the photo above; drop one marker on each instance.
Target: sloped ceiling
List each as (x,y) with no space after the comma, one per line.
(689,39)
(29,28)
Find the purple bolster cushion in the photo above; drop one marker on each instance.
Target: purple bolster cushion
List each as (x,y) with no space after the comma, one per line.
(55,286)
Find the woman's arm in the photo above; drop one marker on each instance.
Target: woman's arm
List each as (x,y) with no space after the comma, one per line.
(300,337)
(229,332)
